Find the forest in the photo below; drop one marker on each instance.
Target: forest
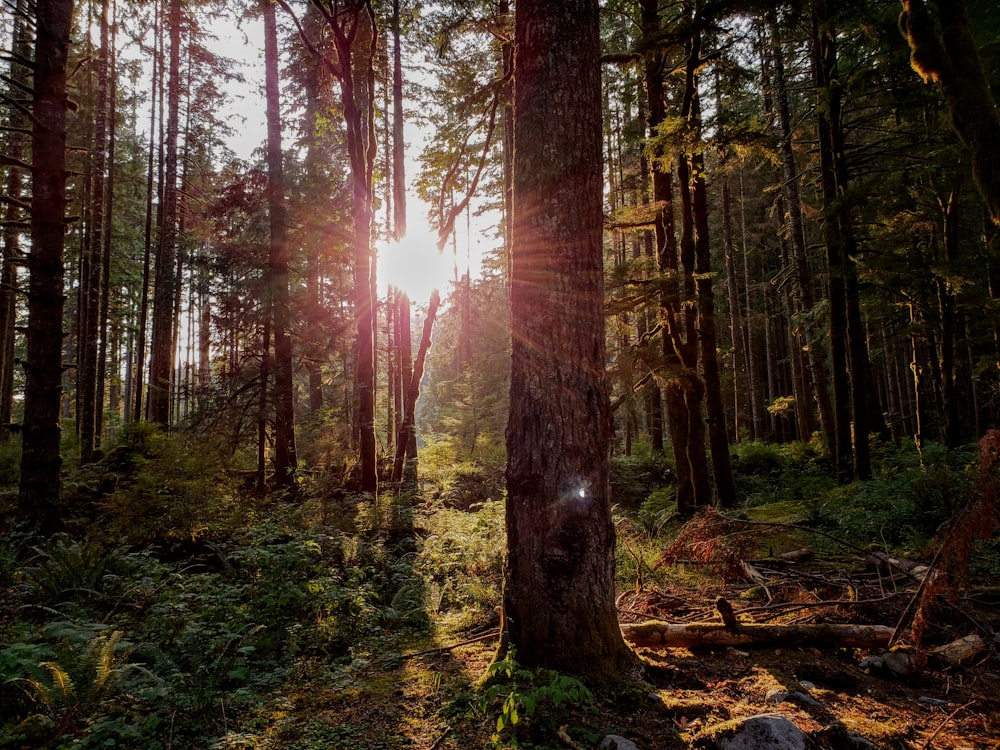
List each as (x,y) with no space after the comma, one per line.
(386,374)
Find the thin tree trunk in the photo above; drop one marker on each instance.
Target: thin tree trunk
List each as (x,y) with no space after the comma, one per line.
(139,377)
(804,297)
(162,355)
(102,353)
(824,67)
(405,464)
(12,253)
(284,421)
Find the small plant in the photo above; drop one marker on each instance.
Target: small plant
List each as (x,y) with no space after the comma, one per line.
(531,702)
(69,568)
(52,694)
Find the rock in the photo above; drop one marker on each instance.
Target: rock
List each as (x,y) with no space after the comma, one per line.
(614,742)
(896,663)
(776,696)
(928,701)
(762,732)
(802,698)
(838,737)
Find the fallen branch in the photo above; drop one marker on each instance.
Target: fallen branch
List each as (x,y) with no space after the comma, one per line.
(694,635)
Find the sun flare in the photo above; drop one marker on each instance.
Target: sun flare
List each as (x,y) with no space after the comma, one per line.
(414,265)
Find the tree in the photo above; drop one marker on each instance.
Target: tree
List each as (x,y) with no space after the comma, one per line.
(40,483)
(161,363)
(558,599)
(355,38)
(284,422)
(944,51)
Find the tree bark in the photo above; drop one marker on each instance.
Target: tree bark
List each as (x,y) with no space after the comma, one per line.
(11,237)
(284,398)
(161,347)
(803,286)
(558,596)
(836,236)
(951,60)
(40,482)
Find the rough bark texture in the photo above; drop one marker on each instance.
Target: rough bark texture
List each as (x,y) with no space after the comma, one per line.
(558,599)
(90,402)
(40,460)
(405,462)
(11,236)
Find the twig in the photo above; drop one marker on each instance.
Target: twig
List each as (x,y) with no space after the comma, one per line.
(485,637)
(439,740)
(564,737)
(943,724)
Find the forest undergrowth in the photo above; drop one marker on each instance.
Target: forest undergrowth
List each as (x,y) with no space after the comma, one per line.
(180,610)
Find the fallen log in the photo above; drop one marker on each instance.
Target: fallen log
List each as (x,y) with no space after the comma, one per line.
(708,635)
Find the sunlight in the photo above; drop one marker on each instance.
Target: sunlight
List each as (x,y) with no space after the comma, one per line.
(414,265)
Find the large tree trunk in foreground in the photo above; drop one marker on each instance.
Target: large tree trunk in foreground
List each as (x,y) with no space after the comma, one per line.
(40,460)
(558,599)
(694,635)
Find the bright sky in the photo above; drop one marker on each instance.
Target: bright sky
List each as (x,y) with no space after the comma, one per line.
(413,265)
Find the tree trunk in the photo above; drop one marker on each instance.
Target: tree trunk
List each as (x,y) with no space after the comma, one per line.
(398,141)
(105,307)
(284,399)
(559,584)
(803,285)
(161,347)
(405,464)
(725,491)
(829,93)
(951,59)
(12,252)
(139,376)
(40,482)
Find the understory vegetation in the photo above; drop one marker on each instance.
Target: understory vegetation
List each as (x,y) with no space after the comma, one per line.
(181,610)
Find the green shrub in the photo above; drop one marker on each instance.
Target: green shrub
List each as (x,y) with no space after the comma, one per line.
(634,477)
(543,696)
(461,557)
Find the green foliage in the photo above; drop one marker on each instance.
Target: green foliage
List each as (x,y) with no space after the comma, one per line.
(79,678)
(657,509)
(540,699)
(168,488)
(906,503)
(633,478)
(766,473)
(10,462)
(461,558)
(65,568)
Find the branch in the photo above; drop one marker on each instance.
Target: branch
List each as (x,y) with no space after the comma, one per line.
(448,224)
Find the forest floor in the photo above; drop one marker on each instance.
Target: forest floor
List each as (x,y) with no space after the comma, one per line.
(177,612)
(427,701)
(425,692)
